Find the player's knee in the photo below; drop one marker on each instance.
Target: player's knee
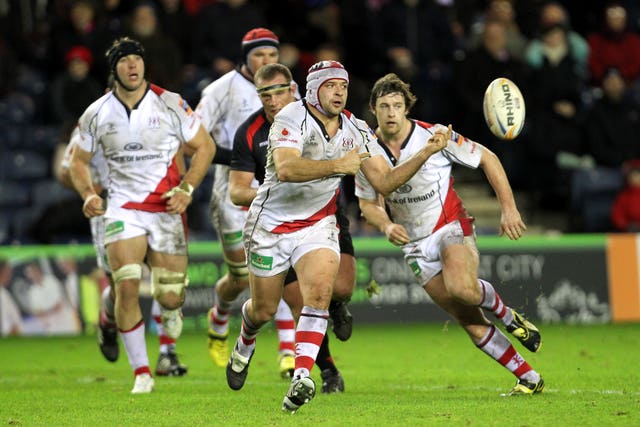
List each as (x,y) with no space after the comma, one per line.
(168,287)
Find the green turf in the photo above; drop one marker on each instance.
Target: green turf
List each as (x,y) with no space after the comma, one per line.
(404,375)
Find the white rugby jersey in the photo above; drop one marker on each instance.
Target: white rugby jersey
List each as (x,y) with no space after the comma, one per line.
(225,104)
(427,201)
(139,145)
(98,165)
(283,207)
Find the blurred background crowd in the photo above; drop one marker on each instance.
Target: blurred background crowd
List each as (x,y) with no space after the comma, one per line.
(577,64)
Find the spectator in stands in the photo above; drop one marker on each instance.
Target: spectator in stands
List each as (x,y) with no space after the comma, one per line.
(418,44)
(614,46)
(551,14)
(163,59)
(74,89)
(501,11)
(481,66)
(216,24)
(612,123)
(80,29)
(625,214)
(555,114)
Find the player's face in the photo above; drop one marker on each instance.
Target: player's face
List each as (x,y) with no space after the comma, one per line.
(130,71)
(333,96)
(275,99)
(262,56)
(391,112)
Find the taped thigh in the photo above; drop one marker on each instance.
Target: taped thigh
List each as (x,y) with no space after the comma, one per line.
(237,269)
(127,272)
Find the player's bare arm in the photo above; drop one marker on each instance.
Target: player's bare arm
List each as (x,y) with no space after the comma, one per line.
(240,190)
(81,178)
(511,222)
(375,215)
(203,149)
(386,180)
(292,167)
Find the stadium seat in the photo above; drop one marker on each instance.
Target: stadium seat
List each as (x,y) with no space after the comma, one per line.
(22,223)
(24,164)
(13,195)
(41,138)
(48,192)
(592,195)
(5,228)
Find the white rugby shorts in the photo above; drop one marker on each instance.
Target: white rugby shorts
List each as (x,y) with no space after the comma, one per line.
(423,256)
(228,221)
(166,233)
(269,254)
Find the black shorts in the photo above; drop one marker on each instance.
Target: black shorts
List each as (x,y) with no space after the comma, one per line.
(344,239)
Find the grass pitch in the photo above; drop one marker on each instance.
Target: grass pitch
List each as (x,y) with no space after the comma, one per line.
(396,375)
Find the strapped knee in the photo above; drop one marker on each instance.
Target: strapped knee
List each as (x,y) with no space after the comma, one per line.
(237,269)
(127,272)
(164,281)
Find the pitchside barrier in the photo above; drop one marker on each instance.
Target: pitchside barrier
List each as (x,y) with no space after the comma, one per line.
(569,279)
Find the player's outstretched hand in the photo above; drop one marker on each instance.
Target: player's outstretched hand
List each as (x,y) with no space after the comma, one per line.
(350,162)
(396,234)
(512,225)
(439,139)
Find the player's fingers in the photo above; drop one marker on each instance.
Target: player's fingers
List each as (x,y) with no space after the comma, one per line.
(364,156)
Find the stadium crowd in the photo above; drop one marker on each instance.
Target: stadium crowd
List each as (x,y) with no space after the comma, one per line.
(578,67)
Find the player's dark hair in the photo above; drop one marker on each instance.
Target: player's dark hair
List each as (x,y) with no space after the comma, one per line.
(271,71)
(391,83)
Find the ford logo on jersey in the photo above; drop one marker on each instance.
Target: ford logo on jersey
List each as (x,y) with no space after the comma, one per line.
(404,188)
(133,146)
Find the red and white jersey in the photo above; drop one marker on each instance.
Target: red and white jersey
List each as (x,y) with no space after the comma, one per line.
(224,105)
(283,207)
(98,165)
(427,201)
(139,145)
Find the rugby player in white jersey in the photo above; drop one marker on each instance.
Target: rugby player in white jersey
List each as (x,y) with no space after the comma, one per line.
(140,128)
(168,363)
(225,104)
(276,88)
(428,221)
(313,143)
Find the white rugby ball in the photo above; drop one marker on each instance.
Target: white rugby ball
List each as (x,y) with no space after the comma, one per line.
(503,108)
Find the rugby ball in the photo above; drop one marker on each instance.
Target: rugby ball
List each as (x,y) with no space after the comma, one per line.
(503,108)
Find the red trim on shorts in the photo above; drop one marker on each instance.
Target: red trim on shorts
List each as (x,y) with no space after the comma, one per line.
(329,209)
(453,210)
(154,201)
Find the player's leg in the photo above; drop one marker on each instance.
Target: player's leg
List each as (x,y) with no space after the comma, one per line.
(107,328)
(341,318)
(487,337)
(317,270)
(332,380)
(286,327)
(515,323)
(125,258)
(168,363)
(266,292)
(460,264)
(228,221)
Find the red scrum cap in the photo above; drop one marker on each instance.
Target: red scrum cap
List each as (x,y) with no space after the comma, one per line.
(258,37)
